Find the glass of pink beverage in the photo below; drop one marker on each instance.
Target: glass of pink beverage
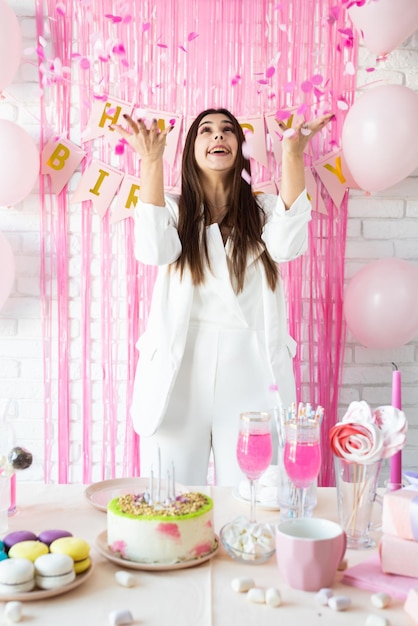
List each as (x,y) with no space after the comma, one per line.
(302,455)
(254,449)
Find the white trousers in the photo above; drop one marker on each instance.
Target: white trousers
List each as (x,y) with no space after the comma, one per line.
(223,373)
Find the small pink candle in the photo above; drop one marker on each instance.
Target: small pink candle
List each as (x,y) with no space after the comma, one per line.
(396,459)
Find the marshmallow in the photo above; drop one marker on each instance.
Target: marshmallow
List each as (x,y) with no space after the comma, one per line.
(411,605)
(120,617)
(339,603)
(257,595)
(324,595)
(376,620)
(13,611)
(273,597)
(242,584)
(125,579)
(381,600)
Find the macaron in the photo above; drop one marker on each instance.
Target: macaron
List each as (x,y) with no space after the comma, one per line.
(16,536)
(48,536)
(28,550)
(16,576)
(54,570)
(78,549)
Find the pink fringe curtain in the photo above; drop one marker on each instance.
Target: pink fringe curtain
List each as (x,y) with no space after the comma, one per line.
(178,56)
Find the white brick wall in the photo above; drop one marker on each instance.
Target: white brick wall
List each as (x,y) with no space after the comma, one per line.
(380,225)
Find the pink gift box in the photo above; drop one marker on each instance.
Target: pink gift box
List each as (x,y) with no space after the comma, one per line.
(399,556)
(400,513)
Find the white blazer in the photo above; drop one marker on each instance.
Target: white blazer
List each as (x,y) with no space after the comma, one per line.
(161,346)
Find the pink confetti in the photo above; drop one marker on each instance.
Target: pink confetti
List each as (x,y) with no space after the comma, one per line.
(115,18)
(317,79)
(60,8)
(162,45)
(119,148)
(192,36)
(270,72)
(172,121)
(350,69)
(342,104)
(146,26)
(289,132)
(183,48)
(263,81)
(370,69)
(119,49)
(306,86)
(282,115)
(84,63)
(245,175)
(127,19)
(246,150)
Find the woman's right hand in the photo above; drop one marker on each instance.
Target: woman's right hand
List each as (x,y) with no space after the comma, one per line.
(148,143)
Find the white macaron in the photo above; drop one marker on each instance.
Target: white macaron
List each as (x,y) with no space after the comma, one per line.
(16,576)
(54,570)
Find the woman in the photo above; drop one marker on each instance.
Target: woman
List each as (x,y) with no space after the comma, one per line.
(217,339)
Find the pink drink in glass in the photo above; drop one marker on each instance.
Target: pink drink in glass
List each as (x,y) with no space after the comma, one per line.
(254,452)
(302,461)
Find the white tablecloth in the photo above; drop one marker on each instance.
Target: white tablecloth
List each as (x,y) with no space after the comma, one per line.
(198,596)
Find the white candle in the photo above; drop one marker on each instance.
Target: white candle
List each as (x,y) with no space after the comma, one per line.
(151,487)
(159,476)
(173,490)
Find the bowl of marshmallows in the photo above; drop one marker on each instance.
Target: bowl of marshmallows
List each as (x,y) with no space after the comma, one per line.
(248,542)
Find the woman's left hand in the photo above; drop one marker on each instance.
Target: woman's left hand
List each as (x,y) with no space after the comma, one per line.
(295,142)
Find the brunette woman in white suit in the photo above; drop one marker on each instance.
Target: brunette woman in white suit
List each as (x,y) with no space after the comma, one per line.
(217,337)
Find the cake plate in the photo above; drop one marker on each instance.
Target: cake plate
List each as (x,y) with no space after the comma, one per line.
(103,548)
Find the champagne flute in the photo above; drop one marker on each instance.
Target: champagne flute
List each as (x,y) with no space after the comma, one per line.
(254,449)
(302,455)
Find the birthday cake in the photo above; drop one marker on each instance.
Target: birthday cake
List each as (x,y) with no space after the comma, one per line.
(179,530)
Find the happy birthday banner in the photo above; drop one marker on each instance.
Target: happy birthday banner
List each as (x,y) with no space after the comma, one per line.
(100,182)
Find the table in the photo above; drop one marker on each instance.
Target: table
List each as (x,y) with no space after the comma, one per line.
(198,596)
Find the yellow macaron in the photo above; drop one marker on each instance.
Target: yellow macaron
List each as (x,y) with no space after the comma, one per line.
(78,549)
(28,550)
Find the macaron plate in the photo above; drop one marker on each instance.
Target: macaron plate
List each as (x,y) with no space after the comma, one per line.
(43,594)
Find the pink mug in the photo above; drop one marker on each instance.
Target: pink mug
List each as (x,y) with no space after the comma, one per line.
(309,551)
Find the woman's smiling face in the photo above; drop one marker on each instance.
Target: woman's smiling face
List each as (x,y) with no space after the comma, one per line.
(216,143)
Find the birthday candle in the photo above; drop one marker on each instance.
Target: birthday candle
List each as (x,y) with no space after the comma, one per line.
(396,459)
(151,486)
(159,476)
(174,482)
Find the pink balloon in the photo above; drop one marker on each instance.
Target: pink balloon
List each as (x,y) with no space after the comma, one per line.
(385,24)
(381,304)
(7,269)
(19,163)
(10,44)
(380,136)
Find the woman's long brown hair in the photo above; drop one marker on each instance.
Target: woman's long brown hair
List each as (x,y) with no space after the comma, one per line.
(245,216)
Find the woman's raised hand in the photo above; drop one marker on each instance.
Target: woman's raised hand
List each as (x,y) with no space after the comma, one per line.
(148,143)
(295,142)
